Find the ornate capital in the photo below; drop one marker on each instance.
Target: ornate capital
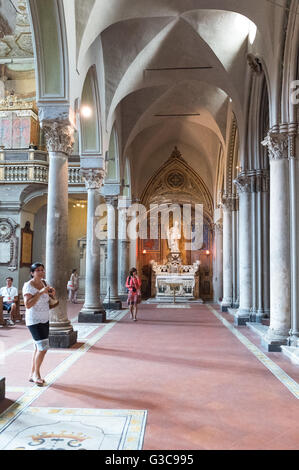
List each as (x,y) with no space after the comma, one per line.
(228,203)
(59,136)
(243,183)
(93,178)
(278,145)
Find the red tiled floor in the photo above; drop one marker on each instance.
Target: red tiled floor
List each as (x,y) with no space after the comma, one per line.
(202,388)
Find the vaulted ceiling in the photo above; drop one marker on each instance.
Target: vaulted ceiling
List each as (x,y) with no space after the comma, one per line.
(174,72)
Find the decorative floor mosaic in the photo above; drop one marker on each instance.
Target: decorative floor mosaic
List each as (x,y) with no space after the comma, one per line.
(75,429)
(173,306)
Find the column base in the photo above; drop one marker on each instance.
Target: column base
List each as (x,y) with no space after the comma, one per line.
(112,305)
(2,388)
(62,339)
(225,306)
(294,340)
(242,316)
(90,315)
(123,297)
(257,317)
(273,341)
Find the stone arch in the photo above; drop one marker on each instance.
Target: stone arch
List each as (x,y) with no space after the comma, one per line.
(50,49)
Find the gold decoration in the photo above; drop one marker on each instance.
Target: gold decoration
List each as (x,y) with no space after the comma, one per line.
(12,102)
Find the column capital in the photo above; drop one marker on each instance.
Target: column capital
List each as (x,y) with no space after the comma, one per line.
(93,177)
(277,144)
(243,183)
(228,203)
(59,136)
(112,201)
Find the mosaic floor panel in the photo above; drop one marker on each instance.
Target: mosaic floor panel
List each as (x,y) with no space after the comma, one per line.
(173,306)
(75,429)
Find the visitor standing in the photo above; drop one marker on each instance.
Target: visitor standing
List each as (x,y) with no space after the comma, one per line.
(36,299)
(133,285)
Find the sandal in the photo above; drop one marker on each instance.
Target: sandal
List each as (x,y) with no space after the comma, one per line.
(39,382)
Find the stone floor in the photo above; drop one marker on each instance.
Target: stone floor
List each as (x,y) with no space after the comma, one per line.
(182,378)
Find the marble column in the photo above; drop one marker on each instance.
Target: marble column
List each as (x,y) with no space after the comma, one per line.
(123,249)
(112,301)
(235,253)
(243,183)
(266,244)
(294,195)
(93,310)
(59,139)
(218,262)
(280,276)
(262,246)
(227,206)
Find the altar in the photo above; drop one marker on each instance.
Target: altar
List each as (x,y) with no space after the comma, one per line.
(174,281)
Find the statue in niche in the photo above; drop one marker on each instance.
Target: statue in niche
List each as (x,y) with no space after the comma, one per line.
(173,237)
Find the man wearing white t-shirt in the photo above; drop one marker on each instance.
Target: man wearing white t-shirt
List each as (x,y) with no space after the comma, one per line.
(9,293)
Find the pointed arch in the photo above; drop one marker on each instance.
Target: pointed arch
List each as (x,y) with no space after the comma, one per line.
(190,187)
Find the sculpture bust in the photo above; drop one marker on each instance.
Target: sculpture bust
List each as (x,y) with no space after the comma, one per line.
(173,235)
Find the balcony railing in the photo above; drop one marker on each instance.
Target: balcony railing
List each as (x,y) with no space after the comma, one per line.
(25,167)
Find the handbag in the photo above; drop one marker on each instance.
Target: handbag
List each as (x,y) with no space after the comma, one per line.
(53,302)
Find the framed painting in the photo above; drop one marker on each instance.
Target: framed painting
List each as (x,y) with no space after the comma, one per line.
(26,246)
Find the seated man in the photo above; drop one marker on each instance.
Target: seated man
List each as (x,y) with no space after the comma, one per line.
(9,292)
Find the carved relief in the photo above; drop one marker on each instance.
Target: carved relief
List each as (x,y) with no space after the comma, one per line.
(8,244)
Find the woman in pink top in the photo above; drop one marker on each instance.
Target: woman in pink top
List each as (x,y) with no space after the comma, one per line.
(133,285)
